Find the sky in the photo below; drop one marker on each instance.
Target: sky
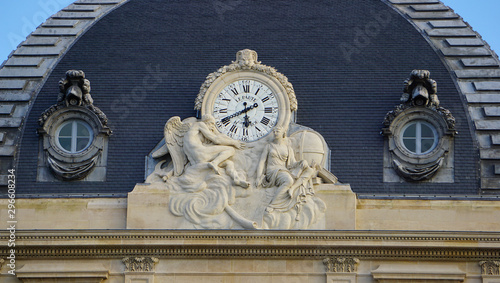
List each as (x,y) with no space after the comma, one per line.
(18,18)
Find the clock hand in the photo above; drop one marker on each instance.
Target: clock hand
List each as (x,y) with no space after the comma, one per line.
(247,121)
(227,118)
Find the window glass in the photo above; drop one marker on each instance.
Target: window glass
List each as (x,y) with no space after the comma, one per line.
(65,131)
(419,137)
(411,131)
(74,136)
(65,143)
(410,144)
(82,131)
(427,132)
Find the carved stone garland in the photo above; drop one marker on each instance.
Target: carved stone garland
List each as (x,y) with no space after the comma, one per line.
(247,60)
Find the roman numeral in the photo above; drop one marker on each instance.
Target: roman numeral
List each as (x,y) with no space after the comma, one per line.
(268,110)
(257,91)
(257,128)
(233,129)
(235,91)
(225,99)
(265,99)
(223,110)
(246,88)
(265,121)
(225,121)
(245,132)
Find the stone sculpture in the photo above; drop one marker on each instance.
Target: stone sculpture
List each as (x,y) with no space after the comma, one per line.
(198,142)
(278,167)
(240,171)
(216,182)
(75,89)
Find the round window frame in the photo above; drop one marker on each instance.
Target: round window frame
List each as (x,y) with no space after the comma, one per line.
(395,132)
(60,116)
(76,120)
(421,122)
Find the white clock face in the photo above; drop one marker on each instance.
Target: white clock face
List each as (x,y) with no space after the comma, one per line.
(246,110)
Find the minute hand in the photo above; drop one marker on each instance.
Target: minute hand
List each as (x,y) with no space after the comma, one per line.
(227,118)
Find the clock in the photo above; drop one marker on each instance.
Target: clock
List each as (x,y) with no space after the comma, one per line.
(247,99)
(246,110)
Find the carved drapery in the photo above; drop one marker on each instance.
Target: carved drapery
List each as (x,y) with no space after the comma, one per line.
(490,267)
(341,264)
(139,264)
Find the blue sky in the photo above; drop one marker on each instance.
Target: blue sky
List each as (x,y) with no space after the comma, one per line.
(18,18)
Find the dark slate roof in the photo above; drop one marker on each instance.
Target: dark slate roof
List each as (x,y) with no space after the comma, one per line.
(166,48)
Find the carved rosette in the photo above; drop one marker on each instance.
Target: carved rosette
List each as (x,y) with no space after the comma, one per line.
(247,60)
(419,104)
(490,267)
(139,264)
(341,264)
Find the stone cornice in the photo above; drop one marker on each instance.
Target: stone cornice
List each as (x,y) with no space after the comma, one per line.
(361,235)
(456,246)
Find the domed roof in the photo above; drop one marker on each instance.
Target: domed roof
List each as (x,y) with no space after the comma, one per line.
(347,61)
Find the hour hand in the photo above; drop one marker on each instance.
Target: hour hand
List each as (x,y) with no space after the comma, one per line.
(246,123)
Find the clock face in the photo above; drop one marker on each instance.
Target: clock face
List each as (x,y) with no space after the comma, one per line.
(246,110)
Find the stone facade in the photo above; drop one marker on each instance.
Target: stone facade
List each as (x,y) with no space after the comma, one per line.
(360,238)
(246,256)
(351,247)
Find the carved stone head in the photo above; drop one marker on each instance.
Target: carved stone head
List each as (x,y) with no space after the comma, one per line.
(279,133)
(74,89)
(246,58)
(420,90)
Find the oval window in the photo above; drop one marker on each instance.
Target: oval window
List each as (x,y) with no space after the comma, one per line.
(74,136)
(419,137)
